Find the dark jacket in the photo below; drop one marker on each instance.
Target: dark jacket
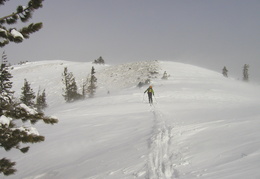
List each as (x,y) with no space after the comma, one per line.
(149,90)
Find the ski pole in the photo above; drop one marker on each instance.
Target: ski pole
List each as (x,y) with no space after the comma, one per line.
(155,99)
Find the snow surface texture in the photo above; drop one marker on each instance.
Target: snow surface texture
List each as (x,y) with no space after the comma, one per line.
(201,125)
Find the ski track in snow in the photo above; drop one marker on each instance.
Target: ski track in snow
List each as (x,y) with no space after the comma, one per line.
(160,159)
(214,135)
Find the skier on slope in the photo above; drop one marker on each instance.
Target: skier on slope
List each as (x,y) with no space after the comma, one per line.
(150,93)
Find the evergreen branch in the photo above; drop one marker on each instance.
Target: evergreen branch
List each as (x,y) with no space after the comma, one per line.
(2,2)
(13,14)
(6,167)
(49,120)
(4,43)
(31,29)
(23,13)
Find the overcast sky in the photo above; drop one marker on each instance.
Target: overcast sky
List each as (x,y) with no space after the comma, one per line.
(206,33)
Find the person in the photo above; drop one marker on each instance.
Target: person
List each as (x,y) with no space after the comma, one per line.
(150,93)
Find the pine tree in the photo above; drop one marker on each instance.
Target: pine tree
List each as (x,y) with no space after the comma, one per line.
(71,88)
(6,94)
(100,60)
(92,84)
(41,103)
(13,135)
(22,14)
(225,72)
(245,72)
(27,96)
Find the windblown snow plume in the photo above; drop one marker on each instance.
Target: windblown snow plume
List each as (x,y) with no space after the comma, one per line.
(128,75)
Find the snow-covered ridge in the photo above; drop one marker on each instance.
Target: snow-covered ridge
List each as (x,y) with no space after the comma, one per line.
(48,75)
(202,125)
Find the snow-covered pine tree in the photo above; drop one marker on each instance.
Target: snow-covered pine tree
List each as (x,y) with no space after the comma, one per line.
(225,72)
(245,72)
(6,94)
(13,135)
(28,95)
(92,83)
(71,90)
(22,14)
(41,103)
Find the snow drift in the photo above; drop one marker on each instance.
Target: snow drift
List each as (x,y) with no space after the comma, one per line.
(201,125)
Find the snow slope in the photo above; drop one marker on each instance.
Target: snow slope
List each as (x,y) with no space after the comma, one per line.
(202,125)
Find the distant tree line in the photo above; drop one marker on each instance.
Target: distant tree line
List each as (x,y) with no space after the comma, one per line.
(70,91)
(29,98)
(245,72)
(89,85)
